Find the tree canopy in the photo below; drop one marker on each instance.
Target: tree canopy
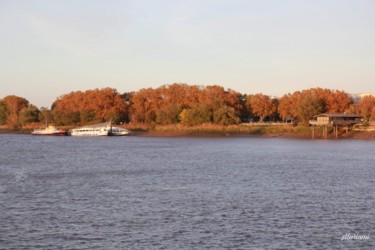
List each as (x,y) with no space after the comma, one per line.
(89,106)
(182,103)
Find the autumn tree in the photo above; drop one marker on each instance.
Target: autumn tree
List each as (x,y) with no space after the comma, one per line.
(288,106)
(90,106)
(14,104)
(160,105)
(226,105)
(178,102)
(285,107)
(237,101)
(337,101)
(261,105)
(303,105)
(144,105)
(178,95)
(213,96)
(366,108)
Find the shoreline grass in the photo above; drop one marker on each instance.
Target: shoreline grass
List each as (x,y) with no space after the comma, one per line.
(220,130)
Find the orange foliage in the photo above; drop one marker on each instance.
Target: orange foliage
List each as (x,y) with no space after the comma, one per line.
(187,104)
(366,107)
(147,104)
(14,105)
(261,105)
(332,101)
(92,105)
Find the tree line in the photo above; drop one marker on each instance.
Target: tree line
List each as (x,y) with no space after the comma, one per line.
(182,103)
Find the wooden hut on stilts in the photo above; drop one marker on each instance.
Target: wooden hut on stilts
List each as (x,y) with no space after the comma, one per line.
(337,121)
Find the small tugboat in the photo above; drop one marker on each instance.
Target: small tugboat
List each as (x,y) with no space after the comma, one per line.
(50,130)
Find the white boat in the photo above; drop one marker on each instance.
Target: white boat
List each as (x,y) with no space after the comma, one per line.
(117,131)
(50,130)
(102,129)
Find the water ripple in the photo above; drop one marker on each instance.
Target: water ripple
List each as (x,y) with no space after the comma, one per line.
(173,193)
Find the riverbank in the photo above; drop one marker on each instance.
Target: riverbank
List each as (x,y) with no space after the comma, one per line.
(256,130)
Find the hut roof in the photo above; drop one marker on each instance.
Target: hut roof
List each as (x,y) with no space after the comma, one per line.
(339,115)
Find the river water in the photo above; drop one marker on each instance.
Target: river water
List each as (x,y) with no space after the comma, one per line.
(185,193)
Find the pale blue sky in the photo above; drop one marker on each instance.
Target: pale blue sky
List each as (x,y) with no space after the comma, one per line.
(52,47)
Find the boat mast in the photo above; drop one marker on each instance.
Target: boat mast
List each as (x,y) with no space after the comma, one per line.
(110,128)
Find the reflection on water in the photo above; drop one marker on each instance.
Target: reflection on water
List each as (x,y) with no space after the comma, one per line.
(190,193)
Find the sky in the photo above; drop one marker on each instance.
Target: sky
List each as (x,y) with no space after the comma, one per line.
(49,48)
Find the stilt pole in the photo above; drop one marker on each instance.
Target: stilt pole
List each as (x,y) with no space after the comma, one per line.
(313,130)
(326,132)
(336,131)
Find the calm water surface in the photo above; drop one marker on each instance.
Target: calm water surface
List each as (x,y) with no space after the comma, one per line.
(185,193)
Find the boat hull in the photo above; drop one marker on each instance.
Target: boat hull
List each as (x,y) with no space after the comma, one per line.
(62,133)
(50,130)
(88,134)
(117,131)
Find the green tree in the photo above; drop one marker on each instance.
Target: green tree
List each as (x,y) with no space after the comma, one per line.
(28,115)
(197,115)
(86,116)
(225,116)
(127,97)
(115,116)
(167,115)
(65,117)
(3,113)
(45,115)
(309,106)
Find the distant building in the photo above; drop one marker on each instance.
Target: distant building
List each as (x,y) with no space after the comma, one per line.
(357,97)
